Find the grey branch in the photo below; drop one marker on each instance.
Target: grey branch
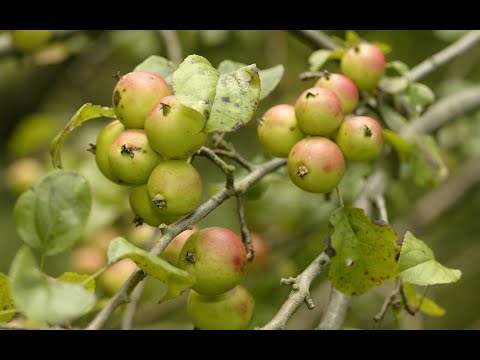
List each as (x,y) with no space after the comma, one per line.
(316,39)
(172,43)
(232,154)
(430,64)
(300,293)
(445,110)
(336,311)
(122,296)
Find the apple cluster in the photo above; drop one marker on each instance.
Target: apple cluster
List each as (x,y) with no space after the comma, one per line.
(319,132)
(148,146)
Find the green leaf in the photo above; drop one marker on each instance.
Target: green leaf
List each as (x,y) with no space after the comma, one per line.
(385,48)
(352,38)
(269,78)
(195,82)
(427,165)
(42,298)
(336,54)
(418,96)
(158,65)
(6,301)
(85,113)
(399,67)
(393,84)
(365,252)
(176,279)
(392,118)
(75,278)
(236,99)
(418,265)
(427,306)
(318,58)
(401,146)
(51,216)
(338,40)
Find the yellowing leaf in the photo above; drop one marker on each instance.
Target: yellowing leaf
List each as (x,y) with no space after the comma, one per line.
(427,306)
(75,278)
(6,301)
(365,252)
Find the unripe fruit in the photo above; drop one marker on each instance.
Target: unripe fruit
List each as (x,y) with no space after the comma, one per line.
(343,87)
(28,40)
(175,186)
(316,165)
(278,130)
(318,111)
(172,251)
(230,311)
(262,252)
(87,259)
(104,141)
(216,257)
(360,138)
(135,95)
(115,276)
(23,173)
(364,64)
(131,157)
(143,207)
(175,130)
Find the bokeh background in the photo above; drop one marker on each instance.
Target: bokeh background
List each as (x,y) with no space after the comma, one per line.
(40,91)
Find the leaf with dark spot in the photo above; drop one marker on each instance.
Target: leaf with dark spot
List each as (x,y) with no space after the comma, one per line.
(158,65)
(241,86)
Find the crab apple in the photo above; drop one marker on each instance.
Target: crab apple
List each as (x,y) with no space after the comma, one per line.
(175,186)
(135,95)
(87,259)
(131,157)
(318,111)
(22,173)
(364,64)
(172,251)
(360,138)
(175,130)
(316,165)
(115,276)
(216,257)
(278,130)
(230,311)
(262,252)
(145,210)
(343,87)
(102,148)
(28,40)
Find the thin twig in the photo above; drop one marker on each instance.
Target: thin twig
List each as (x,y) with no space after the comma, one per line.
(231,154)
(226,168)
(432,63)
(379,201)
(7,326)
(386,304)
(172,43)
(246,236)
(316,38)
(300,293)
(173,230)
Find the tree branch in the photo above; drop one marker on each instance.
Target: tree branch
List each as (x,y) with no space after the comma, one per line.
(246,236)
(444,111)
(173,230)
(226,168)
(315,39)
(300,292)
(172,43)
(430,64)
(232,154)
(335,312)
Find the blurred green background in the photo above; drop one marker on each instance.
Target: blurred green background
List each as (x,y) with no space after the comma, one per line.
(41,90)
